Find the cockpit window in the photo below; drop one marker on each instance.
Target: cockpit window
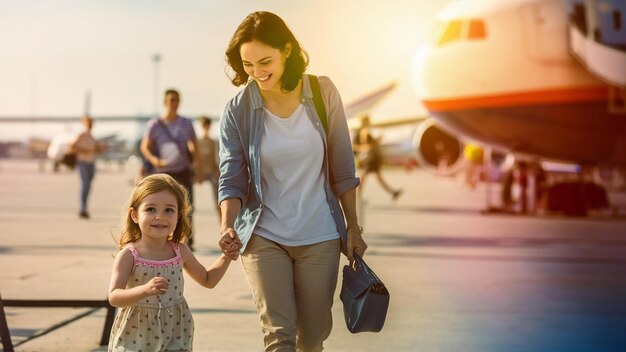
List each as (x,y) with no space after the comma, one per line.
(476,29)
(451,31)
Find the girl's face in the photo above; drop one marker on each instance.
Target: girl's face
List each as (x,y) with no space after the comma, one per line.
(264,64)
(157,215)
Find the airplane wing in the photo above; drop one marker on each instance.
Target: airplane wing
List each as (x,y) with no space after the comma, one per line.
(67,119)
(354,124)
(352,109)
(368,101)
(399,121)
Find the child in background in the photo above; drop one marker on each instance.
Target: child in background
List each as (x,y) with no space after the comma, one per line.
(147,279)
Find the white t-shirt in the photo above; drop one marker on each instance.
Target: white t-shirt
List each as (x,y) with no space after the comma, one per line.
(295,209)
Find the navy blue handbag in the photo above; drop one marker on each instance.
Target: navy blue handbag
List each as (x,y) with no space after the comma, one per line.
(365,298)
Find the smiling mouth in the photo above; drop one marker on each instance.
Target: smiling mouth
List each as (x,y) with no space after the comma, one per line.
(263,79)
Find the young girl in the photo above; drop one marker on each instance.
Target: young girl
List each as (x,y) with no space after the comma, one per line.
(147,279)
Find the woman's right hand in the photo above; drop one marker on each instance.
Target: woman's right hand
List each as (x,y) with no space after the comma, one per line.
(230,243)
(156,286)
(356,244)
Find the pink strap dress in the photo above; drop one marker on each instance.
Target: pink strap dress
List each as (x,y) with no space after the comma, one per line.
(156,323)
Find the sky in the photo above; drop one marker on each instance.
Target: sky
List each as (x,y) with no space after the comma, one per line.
(54,51)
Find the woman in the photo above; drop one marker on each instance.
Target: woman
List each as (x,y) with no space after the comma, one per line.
(281,175)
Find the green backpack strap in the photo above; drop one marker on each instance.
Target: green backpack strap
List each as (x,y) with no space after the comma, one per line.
(319,103)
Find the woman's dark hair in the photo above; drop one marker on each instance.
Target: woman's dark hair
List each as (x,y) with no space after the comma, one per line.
(271,30)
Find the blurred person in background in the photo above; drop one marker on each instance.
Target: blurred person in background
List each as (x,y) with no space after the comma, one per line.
(474,156)
(170,144)
(370,158)
(208,155)
(85,148)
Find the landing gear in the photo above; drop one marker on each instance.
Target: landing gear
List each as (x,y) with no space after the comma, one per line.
(576,198)
(528,188)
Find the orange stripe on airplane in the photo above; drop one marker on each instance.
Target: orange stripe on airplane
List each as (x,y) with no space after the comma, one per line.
(545,97)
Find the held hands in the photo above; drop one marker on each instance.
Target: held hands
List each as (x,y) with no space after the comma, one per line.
(229,243)
(156,286)
(356,244)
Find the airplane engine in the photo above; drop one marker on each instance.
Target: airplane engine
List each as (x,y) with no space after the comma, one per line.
(437,150)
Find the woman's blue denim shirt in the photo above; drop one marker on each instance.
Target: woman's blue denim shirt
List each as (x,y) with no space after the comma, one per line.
(241,129)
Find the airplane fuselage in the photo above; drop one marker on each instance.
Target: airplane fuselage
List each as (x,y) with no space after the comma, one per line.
(501,73)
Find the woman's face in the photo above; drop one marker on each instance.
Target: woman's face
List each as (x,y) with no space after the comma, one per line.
(264,64)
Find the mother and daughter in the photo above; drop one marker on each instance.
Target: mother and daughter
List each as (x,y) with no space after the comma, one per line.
(287,194)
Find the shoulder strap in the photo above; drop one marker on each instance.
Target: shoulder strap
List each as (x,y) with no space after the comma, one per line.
(167,131)
(133,251)
(319,103)
(175,248)
(176,142)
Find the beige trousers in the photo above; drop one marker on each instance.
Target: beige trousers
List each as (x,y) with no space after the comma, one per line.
(293,290)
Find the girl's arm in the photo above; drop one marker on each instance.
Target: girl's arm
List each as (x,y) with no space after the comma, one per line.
(119,295)
(206,277)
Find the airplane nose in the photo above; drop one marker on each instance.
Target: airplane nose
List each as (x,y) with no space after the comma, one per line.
(422,71)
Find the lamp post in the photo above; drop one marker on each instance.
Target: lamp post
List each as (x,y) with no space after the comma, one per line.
(87,102)
(156,59)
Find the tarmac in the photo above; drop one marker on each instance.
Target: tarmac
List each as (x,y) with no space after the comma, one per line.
(459,280)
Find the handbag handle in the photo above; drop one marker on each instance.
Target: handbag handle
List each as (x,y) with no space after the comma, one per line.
(377,286)
(360,262)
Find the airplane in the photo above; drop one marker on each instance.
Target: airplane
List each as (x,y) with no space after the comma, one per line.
(526,78)
(525,91)
(54,149)
(115,149)
(536,78)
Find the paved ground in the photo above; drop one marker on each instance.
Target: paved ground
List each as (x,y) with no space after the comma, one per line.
(459,280)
